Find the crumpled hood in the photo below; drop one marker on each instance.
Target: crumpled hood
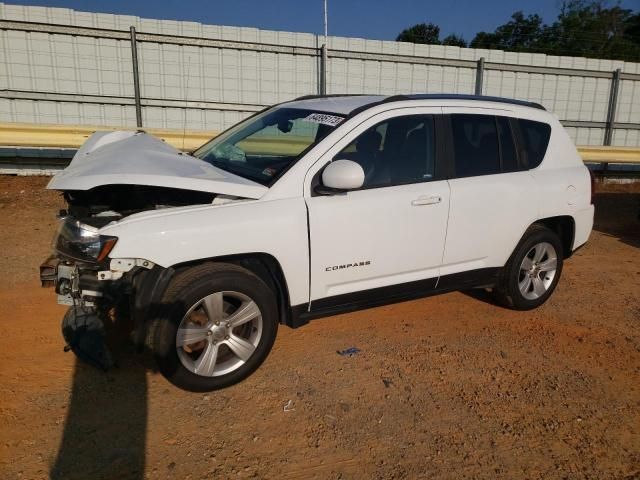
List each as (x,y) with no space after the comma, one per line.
(137,158)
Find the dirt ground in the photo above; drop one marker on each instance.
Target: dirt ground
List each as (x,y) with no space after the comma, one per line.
(446,387)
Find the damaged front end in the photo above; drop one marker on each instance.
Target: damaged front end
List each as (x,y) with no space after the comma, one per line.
(80,268)
(91,284)
(102,291)
(113,176)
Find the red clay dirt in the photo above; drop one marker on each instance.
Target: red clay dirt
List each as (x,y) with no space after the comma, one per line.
(446,387)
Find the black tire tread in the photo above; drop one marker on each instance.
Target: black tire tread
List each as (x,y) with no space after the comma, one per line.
(184,278)
(187,276)
(503,293)
(181,283)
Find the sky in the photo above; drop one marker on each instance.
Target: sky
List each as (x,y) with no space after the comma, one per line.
(376,19)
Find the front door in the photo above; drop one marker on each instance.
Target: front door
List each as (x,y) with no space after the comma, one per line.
(387,238)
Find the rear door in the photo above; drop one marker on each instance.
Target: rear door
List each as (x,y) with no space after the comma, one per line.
(493,198)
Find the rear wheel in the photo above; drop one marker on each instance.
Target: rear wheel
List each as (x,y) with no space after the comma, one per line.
(532,273)
(219,326)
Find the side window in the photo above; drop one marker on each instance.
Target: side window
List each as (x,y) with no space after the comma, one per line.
(475,145)
(507,147)
(535,139)
(397,151)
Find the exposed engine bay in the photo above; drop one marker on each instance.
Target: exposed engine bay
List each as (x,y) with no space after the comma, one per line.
(101,205)
(80,268)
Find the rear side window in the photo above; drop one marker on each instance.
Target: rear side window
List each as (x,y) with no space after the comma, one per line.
(507,147)
(475,145)
(535,139)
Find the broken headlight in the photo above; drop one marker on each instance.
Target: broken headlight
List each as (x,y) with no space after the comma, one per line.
(82,242)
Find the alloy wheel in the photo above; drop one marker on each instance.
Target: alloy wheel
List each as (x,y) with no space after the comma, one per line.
(219,333)
(537,270)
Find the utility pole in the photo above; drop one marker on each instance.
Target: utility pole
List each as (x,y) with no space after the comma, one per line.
(326,29)
(323,55)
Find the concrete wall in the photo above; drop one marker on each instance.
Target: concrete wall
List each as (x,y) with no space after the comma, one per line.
(64,79)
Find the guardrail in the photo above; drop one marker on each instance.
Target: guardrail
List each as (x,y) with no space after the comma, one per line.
(29,136)
(630,155)
(72,136)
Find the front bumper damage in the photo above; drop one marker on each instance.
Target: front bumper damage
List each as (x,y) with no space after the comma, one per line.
(74,284)
(94,292)
(85,284)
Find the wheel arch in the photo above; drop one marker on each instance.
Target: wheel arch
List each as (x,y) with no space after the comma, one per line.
(263,265)
(565,227)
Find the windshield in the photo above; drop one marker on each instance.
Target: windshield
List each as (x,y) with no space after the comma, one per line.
(262,147)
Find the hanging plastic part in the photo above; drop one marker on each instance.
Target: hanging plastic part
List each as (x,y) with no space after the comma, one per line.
(84,333)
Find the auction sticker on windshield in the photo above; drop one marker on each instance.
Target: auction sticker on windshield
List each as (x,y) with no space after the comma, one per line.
(323,118)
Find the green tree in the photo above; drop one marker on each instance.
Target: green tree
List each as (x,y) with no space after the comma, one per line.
(421,33)
(519,34)
(583,28)
(591,29)
(632,29)
(454,40)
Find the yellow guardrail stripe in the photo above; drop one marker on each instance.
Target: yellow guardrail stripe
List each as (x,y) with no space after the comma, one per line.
(610,154)
(72,136)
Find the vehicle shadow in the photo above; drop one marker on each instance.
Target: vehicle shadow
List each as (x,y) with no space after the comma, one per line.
(618,215)
(104,434)
(482,295)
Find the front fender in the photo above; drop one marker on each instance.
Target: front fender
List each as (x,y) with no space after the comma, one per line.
(168,238)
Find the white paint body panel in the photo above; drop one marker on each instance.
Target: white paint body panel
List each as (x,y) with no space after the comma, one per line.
(487,218)
(477,222)
(343,174)
(173,236)
(563,184)
(403,242)
(488,214)
(134,158)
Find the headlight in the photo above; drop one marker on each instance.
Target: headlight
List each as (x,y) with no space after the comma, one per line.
(82,242)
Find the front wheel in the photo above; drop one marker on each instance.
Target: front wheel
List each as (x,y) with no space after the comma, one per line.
(219,324)
(532,273)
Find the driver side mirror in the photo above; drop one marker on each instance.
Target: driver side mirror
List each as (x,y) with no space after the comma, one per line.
(341,176)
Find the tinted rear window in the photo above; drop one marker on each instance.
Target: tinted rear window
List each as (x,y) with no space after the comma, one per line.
(507,148)
(535,139)
(475,145)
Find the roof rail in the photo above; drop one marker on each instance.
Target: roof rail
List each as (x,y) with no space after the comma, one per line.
(456,96)
(313,97)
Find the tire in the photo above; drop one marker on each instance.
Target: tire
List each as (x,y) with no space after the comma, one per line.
(194,347)
(527,284)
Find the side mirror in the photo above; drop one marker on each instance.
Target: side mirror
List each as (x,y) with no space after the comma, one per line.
(341,175)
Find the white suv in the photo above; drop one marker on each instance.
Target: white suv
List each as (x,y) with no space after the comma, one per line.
(310,208)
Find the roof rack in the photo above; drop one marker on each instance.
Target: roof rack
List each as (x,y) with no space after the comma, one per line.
(424,96)
(456,96)
(313,97)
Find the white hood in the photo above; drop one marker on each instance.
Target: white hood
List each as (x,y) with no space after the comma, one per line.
(137,158)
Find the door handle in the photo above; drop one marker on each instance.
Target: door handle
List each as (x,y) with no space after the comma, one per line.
(426,200)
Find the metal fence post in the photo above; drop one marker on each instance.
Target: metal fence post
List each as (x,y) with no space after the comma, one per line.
(611,110)
(136,76)
(479,76)
(323,69)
